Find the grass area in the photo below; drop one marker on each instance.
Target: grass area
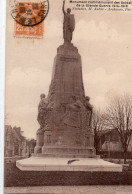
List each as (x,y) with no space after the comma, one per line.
(17,178)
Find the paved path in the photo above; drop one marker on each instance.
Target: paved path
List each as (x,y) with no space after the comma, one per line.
(72,189)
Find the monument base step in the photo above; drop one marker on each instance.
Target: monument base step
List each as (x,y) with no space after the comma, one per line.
(66,164)
(67,155)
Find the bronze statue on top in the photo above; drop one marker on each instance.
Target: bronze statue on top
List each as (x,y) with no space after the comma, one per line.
(68,24)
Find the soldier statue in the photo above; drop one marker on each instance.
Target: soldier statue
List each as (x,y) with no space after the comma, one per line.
(68,24)
(89,107)
(42,110)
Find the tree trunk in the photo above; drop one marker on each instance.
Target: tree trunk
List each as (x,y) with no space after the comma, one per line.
(125,155)
(96,143)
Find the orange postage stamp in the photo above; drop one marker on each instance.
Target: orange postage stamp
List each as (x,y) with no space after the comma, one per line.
(29,18)
(31,32)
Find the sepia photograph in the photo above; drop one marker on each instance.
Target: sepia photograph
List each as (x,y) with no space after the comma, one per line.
(68,97)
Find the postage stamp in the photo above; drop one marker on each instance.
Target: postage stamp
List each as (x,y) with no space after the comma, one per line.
(29,17)
(29,32)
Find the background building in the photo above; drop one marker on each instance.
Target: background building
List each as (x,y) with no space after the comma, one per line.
(111,146)
(16,144)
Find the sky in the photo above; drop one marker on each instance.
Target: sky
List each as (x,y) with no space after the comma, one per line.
(103,39)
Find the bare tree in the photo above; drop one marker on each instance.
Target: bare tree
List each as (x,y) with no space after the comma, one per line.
(119,116)
(98,126)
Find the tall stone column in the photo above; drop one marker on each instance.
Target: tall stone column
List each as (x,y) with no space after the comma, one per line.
(67,114)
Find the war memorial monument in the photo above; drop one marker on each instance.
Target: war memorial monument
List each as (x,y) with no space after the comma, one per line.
(65,141)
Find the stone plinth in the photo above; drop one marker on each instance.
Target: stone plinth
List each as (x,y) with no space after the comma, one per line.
(66,164)
(39,142)
(66,115)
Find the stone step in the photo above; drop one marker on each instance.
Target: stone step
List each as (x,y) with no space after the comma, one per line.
(66,164)
(68,155)
(70,150)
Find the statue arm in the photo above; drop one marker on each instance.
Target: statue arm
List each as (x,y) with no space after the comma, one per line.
(63,9)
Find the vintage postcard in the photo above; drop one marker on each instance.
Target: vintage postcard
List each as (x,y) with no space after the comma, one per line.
(68,96)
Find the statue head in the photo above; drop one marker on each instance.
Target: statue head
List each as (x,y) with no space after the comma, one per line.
(69,10)
(42,96)
(87,98)
(74,98)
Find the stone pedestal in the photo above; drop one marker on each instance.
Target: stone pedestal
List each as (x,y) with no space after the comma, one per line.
(39,141)
(67,164)
(67,121)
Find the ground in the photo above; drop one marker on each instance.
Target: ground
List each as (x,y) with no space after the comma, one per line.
(72,189)
(17,178)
